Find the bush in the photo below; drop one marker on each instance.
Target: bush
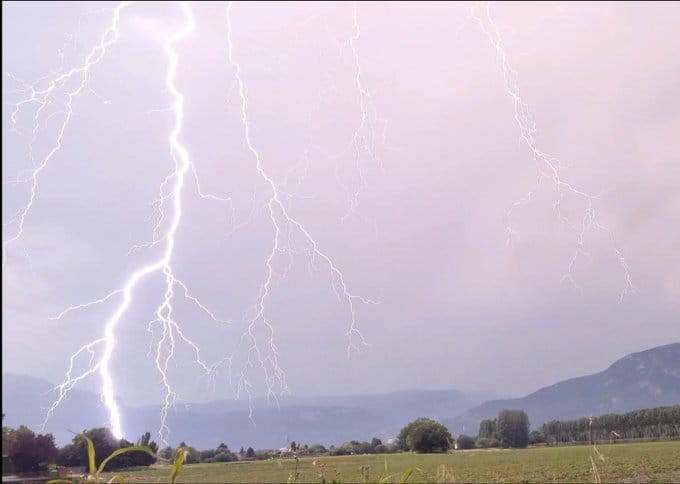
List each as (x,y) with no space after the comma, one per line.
(224,457)
(29,452)
(339,451)
(483,442)
(536,437)
(380,449)
(465,442)
(425,435)
(207,454)
(264,454)
(317,449)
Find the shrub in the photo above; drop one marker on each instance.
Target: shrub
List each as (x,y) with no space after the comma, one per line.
(317,449)
(483,442)
(29,452)
(465,442)
(224,457)
(425,435)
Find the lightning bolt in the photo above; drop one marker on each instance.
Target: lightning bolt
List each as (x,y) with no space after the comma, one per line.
(284,225)
(548,166)
(45,98)
(171,330)
(362,141)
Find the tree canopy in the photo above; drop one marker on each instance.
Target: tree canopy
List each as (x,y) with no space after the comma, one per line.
(512,427)
(425,435)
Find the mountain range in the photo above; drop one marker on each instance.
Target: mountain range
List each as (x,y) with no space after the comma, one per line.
(650,378)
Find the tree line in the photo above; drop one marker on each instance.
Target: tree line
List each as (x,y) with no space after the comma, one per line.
(651,423)
(27,451)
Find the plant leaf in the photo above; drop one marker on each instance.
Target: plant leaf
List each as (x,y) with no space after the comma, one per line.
(90,454)
(180,459)
(406,475)
(118,452)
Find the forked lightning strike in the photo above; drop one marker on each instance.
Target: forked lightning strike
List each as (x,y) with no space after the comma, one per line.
(287,230)
(171,330)
(548,166)
(44,98)
(284,226)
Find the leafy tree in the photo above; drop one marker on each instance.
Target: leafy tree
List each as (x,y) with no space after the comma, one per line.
(487,428)
(536,437)
(649,423)
(375,442)
(380,449)
(483,442)
(250,453)
(208,455)
(8,434)
(139,458)
(166,453)
(30,452)
(512,427)
(317,449)
(225,457)
(425,435)
(75,453)
(293,446)
(193,456)
(465,442)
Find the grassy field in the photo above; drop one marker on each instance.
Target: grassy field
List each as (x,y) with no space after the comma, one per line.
(635,462)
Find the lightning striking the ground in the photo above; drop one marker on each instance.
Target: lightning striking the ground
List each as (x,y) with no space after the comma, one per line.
(548,166)
(290,237)
(170,328)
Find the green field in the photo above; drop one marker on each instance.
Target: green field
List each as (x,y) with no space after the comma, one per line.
(632,462)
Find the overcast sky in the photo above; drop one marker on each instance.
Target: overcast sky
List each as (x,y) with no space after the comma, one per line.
(458,306)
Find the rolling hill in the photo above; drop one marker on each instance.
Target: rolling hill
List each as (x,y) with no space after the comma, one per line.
(646,379)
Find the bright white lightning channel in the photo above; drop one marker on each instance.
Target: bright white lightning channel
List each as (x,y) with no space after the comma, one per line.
(548,166)
(170,328)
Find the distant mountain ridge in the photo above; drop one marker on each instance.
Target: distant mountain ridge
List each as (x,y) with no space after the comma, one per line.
(326,420)
(649,378)
(646,379)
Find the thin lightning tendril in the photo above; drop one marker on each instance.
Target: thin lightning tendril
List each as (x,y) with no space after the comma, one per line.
(284,226)
(44,98)
(287,230)
(548,166)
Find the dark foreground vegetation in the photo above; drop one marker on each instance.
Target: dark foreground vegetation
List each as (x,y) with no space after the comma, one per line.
(26,452)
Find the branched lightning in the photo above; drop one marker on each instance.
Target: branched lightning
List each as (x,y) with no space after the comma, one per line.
(46,97)
(362,142)
(290,237)
(284,226)
(548,166)
(171,188)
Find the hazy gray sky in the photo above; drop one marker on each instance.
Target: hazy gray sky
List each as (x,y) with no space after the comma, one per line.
(459,308)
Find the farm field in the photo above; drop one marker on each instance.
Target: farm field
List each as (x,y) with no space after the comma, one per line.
(630,462)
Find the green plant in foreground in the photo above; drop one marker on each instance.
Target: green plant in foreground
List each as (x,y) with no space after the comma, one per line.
(385,477)
(178,462)
(94,474)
